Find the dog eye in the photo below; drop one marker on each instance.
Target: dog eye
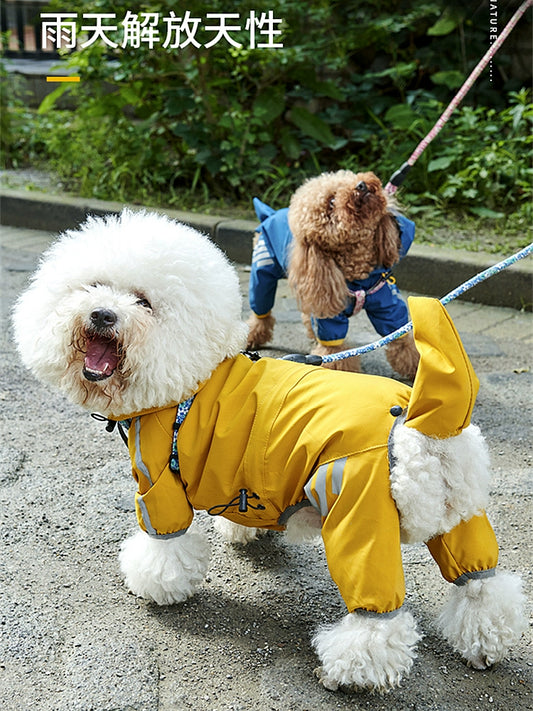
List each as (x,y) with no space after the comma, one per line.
(331,205)
(141,301)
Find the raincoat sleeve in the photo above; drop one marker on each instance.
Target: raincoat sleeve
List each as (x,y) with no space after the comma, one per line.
(265,274)
(161,503)
(407,234)
(331,331)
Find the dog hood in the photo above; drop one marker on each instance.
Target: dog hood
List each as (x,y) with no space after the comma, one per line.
(445,386)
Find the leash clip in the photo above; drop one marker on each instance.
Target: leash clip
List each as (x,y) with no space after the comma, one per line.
(312,359)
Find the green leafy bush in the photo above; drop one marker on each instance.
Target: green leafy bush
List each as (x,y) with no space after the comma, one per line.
(480,161)
(16,121)
(356,85)
(483,162)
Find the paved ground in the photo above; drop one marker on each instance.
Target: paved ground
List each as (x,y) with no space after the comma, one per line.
(74,639)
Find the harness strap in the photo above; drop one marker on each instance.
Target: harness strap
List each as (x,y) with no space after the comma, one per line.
(360,294)
(181,414)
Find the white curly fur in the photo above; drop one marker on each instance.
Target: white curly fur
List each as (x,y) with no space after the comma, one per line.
(164,571)
(304,525)
(108,263)
(366,651)
(436,483)
(234,532)
(483,619)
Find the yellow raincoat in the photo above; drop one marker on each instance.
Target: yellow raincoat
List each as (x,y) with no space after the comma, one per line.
(289,435)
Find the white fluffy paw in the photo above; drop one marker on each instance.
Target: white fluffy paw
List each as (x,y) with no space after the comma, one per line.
(166,571)
(483,619)
(327,682)
(366,651)
(234,532)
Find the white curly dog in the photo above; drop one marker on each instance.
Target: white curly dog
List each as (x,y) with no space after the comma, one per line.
(139,318)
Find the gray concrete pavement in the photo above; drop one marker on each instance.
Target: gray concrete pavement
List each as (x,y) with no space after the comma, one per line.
(73,639)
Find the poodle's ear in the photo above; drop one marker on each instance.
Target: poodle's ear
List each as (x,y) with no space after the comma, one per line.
(387,241)
(317,281)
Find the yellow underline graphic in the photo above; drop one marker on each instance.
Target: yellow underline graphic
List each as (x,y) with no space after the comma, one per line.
(73,79)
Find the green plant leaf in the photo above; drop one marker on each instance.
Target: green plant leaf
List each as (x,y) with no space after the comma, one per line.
(440,163)
(326,88)
(485,212)
(49,100)
(290,144)
(452,79)
(312,125)
(446,23)
(401,116)
(269,104)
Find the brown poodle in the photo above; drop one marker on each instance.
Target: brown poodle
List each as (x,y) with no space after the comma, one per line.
(337,243)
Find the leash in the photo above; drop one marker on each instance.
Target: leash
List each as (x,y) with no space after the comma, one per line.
(458,291)
(399,176)
(397,179)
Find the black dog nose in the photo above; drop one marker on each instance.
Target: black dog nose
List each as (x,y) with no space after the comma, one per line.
(362,187)
(103,318)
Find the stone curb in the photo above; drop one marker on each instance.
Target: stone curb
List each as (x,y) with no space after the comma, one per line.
(433,271)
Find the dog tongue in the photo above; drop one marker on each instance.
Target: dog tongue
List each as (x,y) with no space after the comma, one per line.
(101,358)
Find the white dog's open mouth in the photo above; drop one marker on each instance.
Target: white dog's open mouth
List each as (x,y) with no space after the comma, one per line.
(101,358)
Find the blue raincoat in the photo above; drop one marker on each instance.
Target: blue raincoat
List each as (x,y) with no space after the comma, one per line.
(383,304)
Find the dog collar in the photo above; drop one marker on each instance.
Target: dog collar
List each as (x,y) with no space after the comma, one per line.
(181,413)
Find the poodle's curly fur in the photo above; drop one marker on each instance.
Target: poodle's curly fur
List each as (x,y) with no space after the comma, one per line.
(392,641)
(133,313)
(340,234)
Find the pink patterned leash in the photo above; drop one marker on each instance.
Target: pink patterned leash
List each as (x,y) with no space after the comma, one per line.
(399,176)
